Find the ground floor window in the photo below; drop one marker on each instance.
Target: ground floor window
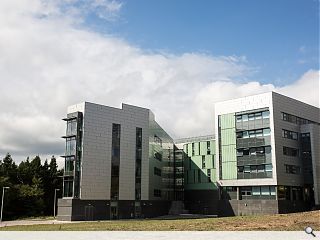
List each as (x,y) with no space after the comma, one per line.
(68,187)
(258,192)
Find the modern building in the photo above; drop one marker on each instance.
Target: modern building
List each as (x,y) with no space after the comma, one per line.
(263,158)
(268,154)
(267,158)
(200,178)
(119,163)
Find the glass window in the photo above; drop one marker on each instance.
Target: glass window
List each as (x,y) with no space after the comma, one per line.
(252,133)
(285,150)
(239,152)
(246,191)
(284,133)
(253,151)
(208,148)
(258,115)
(251,116)
(239,134)
(245,134)
(260,150)
(240,168)
(293,169)
(203,162)
(245,118)
(265,114)
(260,168)
(209,175)
(265,191)
(284,116)
(193,152)
(246,151)
(255,191)
(268,167)
(68,187)
(290,151)
(266,132)
(253,169)
(289,134)
(72,127)
(71,146)
(272,191)
(259,133)
(158,156)
(157,140)
(69,165)
(239,118)
(293,119)
(247,169)
(115,161)
(294,135)
(267,149)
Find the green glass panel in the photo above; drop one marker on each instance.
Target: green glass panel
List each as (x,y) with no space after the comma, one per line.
(189,149)
(213,146)
(203,148)
(208,159)
(228,147)
(229,170)
(228,121)
(228,136)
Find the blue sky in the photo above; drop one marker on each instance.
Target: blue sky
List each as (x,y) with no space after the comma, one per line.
(278,38)
(177,58)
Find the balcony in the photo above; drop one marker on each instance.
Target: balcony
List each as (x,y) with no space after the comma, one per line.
(69,136)
(253,142)
(68,173)
(251,175)
(253,159)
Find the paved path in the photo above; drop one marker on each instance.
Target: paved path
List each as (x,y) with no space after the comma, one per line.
(31,222)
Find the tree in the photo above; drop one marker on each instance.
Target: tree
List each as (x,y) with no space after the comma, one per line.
(52,181)
(8,168)
(31,185)
(31,198)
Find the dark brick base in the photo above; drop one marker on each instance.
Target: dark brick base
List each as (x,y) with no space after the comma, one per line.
(207,202)
(77,210)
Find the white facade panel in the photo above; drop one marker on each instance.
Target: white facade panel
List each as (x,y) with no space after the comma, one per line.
(239,105)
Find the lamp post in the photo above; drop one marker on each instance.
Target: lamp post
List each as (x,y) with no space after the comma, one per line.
(2,201)
(54,202)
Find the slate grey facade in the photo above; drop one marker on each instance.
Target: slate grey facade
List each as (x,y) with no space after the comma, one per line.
(119,163)
(263,159)
(268,151)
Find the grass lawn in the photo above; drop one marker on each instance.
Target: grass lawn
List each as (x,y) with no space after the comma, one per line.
(281,222)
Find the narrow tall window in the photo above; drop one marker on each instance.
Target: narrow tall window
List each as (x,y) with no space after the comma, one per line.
(209,175)
(115,161)
(203,162)
(208,148)
(193,149)
(138,163)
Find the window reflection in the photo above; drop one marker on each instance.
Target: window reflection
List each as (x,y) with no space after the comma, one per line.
(71,146)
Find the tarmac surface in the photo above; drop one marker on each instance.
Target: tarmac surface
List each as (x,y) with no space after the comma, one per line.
(31,222)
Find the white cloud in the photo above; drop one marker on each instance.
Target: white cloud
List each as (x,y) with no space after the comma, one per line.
(46,64)
(302,49)
(107,9)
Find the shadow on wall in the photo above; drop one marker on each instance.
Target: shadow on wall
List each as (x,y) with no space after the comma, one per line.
(202,193)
